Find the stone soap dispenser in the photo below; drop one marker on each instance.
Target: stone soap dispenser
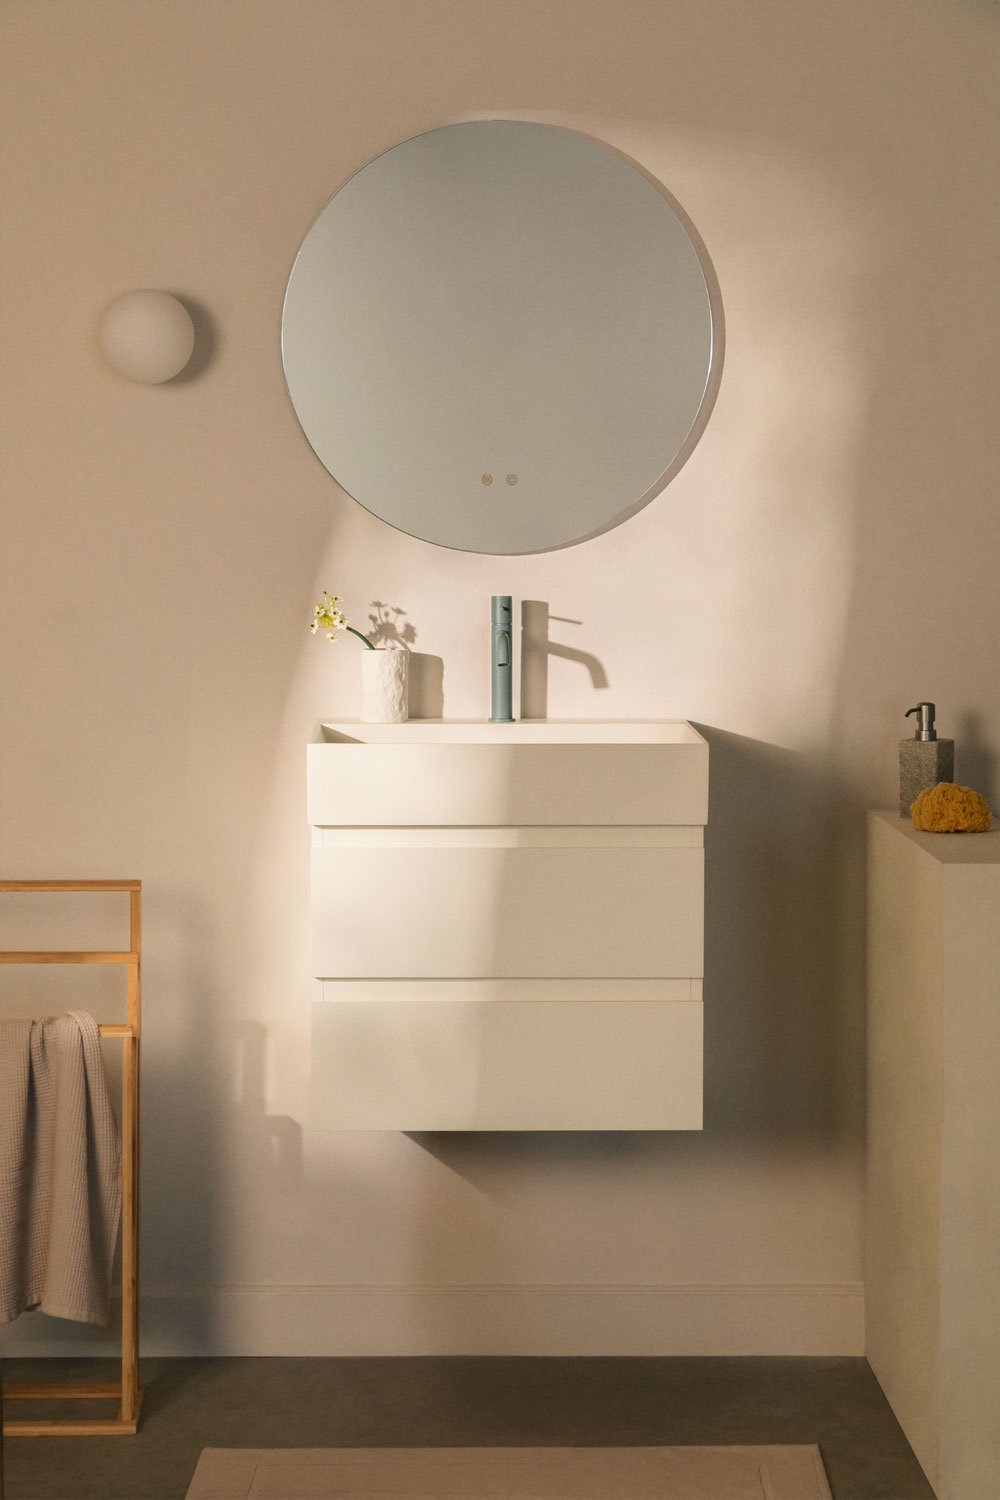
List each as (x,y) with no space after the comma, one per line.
(925,760)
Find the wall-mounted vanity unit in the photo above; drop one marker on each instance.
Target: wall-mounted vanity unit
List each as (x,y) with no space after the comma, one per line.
(508,925)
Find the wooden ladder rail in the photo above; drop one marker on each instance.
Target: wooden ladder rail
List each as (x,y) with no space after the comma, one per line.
(127,1392)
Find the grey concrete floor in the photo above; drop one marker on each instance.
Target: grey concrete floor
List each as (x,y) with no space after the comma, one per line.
(191,1404)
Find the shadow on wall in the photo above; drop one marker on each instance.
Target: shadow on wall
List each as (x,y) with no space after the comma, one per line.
(977,760)
(389,627)
(206,340)
(274,1141)
(426,686)
(183,1123)
(193,1178)
(784,1007)
(536,649)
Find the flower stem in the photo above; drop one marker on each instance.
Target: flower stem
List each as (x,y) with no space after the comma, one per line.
(361,637)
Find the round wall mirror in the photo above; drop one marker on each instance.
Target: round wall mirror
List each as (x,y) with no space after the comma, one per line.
(498,337)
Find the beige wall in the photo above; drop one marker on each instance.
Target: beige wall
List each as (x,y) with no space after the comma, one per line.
(827,557)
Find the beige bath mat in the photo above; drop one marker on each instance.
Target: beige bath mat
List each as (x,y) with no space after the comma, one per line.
(737,1473)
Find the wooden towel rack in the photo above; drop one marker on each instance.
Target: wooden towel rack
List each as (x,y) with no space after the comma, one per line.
(128,1392)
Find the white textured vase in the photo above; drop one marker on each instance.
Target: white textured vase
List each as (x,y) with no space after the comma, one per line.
(385,686)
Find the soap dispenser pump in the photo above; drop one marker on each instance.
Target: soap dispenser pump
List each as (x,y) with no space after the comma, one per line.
(925,760)
(502,660)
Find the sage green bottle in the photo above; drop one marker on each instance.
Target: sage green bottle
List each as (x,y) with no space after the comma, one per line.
(502,675)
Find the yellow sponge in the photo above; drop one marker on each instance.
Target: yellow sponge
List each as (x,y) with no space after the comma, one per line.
(947,808)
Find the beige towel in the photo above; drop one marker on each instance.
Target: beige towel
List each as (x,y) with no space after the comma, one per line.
(60,1176)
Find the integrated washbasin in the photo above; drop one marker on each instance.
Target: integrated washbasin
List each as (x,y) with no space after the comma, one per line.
(520,732)
(534,771)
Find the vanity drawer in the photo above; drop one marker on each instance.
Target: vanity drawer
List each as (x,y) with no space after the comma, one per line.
(410,785)
(415,1064)
(470,912)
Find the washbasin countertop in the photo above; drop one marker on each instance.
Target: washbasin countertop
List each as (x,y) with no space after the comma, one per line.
(520,732)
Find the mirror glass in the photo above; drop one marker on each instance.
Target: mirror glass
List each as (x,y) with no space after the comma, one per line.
(498,337)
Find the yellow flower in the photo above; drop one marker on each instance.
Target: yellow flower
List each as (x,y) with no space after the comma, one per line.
(328,616)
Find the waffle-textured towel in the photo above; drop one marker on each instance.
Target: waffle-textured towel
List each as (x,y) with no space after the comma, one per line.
(60,1177)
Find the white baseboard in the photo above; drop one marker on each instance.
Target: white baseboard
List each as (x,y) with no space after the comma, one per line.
(481,1320)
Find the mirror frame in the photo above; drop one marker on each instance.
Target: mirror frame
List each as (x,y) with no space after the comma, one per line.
(619,511)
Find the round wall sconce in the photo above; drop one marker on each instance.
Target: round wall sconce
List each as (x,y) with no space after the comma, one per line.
(147,336)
